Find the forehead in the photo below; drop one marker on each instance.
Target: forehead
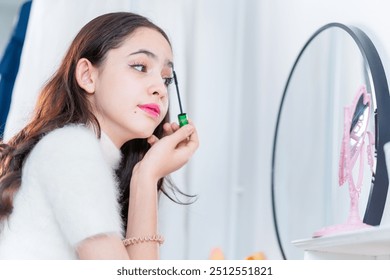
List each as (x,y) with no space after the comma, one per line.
(150,39)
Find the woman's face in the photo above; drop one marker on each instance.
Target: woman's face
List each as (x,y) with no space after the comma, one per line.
(131,86)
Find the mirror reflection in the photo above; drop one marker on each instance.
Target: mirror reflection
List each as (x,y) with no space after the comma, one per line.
(308,144)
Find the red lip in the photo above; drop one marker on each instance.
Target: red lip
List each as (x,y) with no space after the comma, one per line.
(151,109)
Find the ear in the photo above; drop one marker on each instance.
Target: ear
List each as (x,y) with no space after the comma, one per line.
(86,75)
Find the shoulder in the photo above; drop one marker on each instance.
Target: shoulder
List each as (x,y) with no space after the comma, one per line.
(70,136)
(69,145)
(68,141)
(69,166)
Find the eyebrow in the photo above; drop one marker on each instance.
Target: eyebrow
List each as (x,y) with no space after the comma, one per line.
(152,55)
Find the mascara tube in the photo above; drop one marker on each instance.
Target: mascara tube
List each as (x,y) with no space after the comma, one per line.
(182,117)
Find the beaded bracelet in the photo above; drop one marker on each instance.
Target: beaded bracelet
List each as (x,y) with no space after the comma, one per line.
(136,240)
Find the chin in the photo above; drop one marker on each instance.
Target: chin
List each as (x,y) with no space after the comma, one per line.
(144,134)
(141,131)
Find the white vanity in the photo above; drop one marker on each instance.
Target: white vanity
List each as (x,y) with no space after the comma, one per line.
(372,243)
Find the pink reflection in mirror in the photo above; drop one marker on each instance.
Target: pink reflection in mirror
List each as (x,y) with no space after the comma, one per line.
(356,119)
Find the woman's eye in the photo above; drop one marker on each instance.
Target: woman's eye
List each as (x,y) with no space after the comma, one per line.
(139,67)
(168,81)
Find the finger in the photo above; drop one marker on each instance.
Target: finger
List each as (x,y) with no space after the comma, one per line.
(187,148)
(152,140)
(190,121)
(167,129)
(182,134)
(174,126)
(183,143)
(193,140)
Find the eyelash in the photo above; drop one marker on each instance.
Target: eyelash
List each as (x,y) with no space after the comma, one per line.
(167,81)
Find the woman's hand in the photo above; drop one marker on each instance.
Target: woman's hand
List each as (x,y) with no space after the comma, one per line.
(171,152)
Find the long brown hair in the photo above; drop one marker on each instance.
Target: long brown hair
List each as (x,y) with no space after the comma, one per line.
(62,101)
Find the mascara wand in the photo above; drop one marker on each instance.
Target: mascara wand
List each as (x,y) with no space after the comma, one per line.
(182,116)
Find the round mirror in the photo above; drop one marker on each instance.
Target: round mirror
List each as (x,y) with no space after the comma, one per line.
(335,64)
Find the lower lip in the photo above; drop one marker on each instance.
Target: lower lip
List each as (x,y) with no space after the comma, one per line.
(150,112)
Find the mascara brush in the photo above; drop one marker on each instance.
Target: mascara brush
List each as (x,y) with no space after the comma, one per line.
(182,116)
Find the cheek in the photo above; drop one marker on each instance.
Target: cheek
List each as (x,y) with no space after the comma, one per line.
(119,94)
(164,107)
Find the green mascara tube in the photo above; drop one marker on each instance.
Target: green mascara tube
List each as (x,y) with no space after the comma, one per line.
(182,117)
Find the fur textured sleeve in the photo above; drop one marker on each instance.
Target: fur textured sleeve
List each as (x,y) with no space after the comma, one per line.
(79,183)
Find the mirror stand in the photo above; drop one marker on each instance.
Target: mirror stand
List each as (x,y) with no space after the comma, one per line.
(356,119)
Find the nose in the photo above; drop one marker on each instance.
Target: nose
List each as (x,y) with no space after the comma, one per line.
(158,87)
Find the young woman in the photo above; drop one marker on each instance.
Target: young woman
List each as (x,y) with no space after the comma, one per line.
(81,180)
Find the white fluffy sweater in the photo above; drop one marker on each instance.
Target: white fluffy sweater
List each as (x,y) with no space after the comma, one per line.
(68,193)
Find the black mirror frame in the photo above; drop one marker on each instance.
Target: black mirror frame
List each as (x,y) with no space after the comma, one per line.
(380,182)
